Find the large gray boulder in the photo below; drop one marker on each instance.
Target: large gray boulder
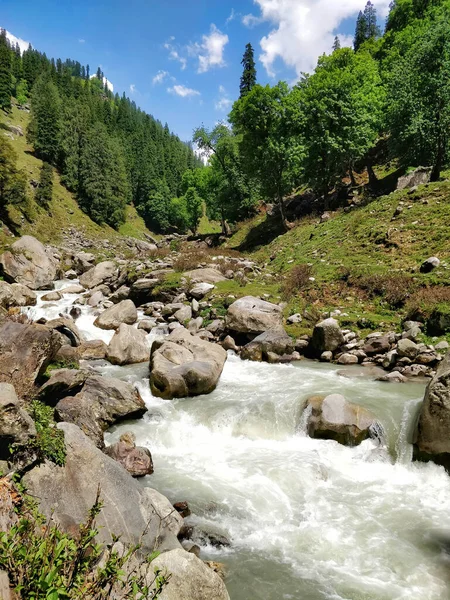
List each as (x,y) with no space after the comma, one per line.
(253,316)
(103,273)
(208,275)
(141,290)
(113,317)
(25,352)
(185,365)
(334,418)
(67,493)
(191,578)
(28,263)
(16,294)
(101,402)
(432,435)
(264,346)
(128,346)
(417,177)
(327,337)
(16,425)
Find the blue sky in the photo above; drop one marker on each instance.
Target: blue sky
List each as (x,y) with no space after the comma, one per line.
(180,59)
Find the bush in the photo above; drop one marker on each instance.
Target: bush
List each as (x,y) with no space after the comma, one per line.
(394,289)
(187,261)
(49,442)
(43,562)
(297,280)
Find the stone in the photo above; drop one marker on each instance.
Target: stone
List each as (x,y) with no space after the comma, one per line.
(52,297)
(229,344)
(83,262)
(16,294)
(103,273)
(430,264)
(442,346)
(28,263)
(195,325)
(297,318)
(183,314)
(68,355)
(274,341)
(347,359)
(101,402)
(16,425)
(208,275)
(407,348)
(190,578)
(96,298)
(136,460)
(25,352)
(334,418)
(66,493)
(199,290)
(377,345)
(327,337)
(185,365)
(216,327)
(141,290)
(113,317)
(75,288)
(147,325)
(67,328)
(326,356)
(121,294)
(182,508)
(92,350)
(432,435)
(128,346)
(394,377)
(251,315)
(419,176)
(62,383)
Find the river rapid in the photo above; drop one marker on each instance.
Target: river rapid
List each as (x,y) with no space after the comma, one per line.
(307,519)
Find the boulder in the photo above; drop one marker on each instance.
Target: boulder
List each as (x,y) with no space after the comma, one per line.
(62,383)
(141,290)
(136,460)
(103,273)
(191,578)
(101,402)
(430,264)
(183,314)
(16,425)
(377,345)
(185,365)
(93,349)
(408,348)
(75,288)
(253,316)
(347,359)
(199,290)
(113,317)
(83,262)
(25,352)
(51,297)
(16,294)
(128,346)
(67,328)
(432,436)
(274,341)
(327,337)
(28,263)
(229,344)
(208,275)
(334,418)
(66,494)
(121,294)
(417,177)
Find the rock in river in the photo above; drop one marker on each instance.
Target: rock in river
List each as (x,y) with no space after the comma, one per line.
(123,312)
(28,263)
(128,346)
(253,316)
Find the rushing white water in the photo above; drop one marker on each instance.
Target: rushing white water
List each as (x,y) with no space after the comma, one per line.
(308,519)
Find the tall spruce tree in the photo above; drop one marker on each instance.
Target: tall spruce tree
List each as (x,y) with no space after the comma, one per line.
(370,15)
(248,78)
(5,72)
(360,31)
(336,44)
(44,130)
(44,191)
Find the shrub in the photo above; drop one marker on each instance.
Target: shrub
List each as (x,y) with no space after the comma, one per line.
(189,260)
(49,441)
(44,562)
(395,289)
(297,280)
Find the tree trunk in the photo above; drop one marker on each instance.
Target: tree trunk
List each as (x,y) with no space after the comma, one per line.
(285,222)
(352,176)
(372,177)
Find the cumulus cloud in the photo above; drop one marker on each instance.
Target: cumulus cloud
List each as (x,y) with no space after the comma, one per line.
(303,29)
(159,77)
(210,51)
(251,21)
(183,91)
(224,102)
(23,45)
(174,53)
(132,88)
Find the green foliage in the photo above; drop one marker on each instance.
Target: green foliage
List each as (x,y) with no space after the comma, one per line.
(49,442)
(45,563)
(44,131)
(5,72)
(194,208)
(44,191)
(21,92)
(12,180)
(248,78)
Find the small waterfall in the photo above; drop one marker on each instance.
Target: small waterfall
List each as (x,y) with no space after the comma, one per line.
(302,427)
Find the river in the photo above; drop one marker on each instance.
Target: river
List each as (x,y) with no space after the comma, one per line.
(307,519)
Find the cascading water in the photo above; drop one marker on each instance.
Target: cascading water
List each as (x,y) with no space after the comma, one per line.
(307,519)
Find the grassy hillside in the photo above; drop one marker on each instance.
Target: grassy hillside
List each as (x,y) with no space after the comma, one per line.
(64,213)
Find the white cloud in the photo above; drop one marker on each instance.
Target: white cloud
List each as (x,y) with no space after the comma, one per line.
(174,53)
(304,29)
(224,102)
(132,88)
(183,91)
(108,83)
(81,41)
(159,77)
(23,45)
(250,20)
(233,15)
(210,51)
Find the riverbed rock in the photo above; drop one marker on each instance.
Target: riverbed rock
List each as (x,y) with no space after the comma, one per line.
(185,365)
(67,328)
(347,359)
(25,352)
(51,297)
(113,317)
(191,578)
(334,418)
(208,275)
(377,345)
(67,494)
(62,383)
(251,315)
(199,290)
(74,288)
(408,348)
(93,349)
(327,337)
(16,425)
(16,294)
(135,459)
(104,273)
(274,341)
(141,290)
(128,346)
(101,402)
(432,436)
(28,263)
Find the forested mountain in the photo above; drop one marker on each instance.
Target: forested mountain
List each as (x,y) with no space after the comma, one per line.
(108,151)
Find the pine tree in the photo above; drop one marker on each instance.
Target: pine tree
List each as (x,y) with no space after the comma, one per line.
(360,31)
(44,130)
(87,71)
(13,183)
(99,74)
(248,78)
(370,15)
(194,208)
(44,191)
(336,44)
(5,72)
